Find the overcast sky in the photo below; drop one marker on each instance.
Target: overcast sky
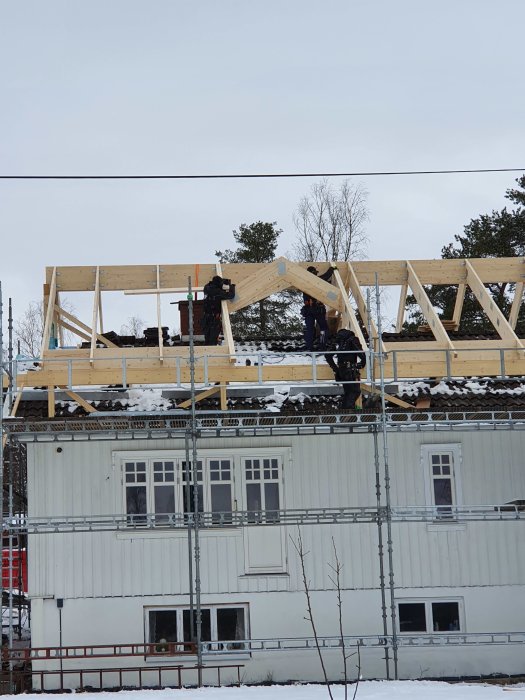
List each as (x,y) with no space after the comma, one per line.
(228,86)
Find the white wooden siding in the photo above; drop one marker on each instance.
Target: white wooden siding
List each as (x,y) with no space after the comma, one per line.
(329,471)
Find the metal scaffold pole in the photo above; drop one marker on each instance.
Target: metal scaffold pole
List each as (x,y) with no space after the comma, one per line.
(381,357)
(195,467)
(380,546)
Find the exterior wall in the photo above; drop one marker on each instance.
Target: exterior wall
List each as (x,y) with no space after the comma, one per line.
(107,578)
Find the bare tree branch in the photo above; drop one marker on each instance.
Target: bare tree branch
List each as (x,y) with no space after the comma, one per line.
(299,548)
(331,222)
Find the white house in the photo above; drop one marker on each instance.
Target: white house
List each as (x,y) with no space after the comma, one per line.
(107,566)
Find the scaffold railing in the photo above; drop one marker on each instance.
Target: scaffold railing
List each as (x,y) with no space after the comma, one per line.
(269,518)
(247,424)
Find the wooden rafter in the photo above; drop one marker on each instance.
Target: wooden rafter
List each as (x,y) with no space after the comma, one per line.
(84,327)
(49,312)
(458,306)
(426,307)
(401,308)
(95,316)
(226,323)
(348,310)
(159,321)
(201,395)
(516,305)
(490,307)
(82,402)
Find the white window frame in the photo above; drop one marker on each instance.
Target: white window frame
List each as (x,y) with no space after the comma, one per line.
(237,481)
(213,608)
(454,449)
(429,620)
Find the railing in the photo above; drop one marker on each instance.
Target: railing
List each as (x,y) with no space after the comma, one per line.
(105,678)
(299,516)
(243,423)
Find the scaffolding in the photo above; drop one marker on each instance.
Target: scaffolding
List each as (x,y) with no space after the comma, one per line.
(215,368)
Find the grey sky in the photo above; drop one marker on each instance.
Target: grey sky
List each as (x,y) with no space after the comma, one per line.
(208,86)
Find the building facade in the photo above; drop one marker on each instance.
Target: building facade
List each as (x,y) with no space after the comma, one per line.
(454,583)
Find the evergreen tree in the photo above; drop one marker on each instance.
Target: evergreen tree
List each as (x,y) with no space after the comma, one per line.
(496,235)
(271,317)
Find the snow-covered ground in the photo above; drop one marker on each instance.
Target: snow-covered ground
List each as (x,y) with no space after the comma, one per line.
(368,690)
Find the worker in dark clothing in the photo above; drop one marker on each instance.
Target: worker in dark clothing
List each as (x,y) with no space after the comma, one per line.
(215,291)
(314,312)
(347,365)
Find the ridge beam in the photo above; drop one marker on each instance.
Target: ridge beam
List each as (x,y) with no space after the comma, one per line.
(85,327)
(494,313)
(437,328)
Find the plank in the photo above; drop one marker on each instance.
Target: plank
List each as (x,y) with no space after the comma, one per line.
(49,313)
(159,321)
(226,323)
(516,305)
(402,307)
(388,397)
(427,309)
(348,309)
(82,402)
(94,321)
(86,328)
(200,396)
(458,306)
(355,288)
(51,401)
(490,307)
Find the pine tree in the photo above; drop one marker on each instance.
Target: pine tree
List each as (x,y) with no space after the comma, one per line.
(495,235)
(271,317)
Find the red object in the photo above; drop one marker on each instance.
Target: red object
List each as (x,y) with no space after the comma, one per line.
(198,312)
(16,569)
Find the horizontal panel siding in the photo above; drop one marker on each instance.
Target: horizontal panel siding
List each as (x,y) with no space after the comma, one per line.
(319,471)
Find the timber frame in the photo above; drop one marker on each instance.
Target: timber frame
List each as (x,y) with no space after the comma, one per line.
(103,363)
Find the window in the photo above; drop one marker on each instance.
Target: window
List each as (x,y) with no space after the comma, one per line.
(427,616)
(441,473)
(262,489)
(219,624)
(160,487)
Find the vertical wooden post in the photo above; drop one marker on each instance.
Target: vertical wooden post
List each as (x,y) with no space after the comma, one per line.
(51,401)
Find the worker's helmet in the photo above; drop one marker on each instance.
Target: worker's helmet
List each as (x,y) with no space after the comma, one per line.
(217,280)
(312,269)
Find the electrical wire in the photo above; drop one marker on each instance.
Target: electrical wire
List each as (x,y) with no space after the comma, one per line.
(246,176)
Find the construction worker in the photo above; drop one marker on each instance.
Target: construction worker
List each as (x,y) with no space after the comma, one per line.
(215,291)
(347,365)
(314,312)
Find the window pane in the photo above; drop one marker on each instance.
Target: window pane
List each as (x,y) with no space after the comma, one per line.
(271,502)
(205,625)
(230,625)
(443,492)
(445,617)
(164,499)
(162,626)
(192,503)
(221,501)
(412,617)
(136,503)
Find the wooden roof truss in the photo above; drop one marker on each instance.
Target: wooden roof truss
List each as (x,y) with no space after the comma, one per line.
(344,297)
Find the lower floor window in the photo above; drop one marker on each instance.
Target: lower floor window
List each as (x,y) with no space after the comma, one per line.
(429,616)
(219,624)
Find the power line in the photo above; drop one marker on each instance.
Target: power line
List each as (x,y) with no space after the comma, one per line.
(246,176)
